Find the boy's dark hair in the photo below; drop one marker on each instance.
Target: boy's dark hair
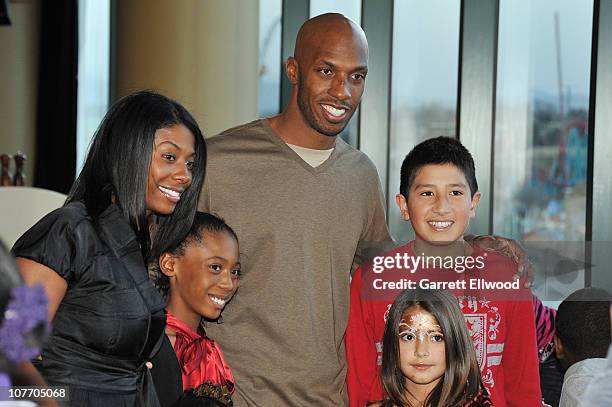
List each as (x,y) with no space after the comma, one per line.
(203,223)
(583,323)
(118,161)
(439,150)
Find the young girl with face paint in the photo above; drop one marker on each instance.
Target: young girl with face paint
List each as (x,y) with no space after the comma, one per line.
(428,357)
(199,276)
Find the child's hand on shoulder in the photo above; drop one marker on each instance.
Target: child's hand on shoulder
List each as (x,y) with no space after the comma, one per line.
(507,248)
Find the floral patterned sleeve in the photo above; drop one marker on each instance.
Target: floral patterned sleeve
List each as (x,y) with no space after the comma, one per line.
(481,400)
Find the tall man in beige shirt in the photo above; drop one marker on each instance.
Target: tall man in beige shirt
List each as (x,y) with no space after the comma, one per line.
(304,205)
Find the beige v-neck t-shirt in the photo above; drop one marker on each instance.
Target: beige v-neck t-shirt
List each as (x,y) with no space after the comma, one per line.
(300,228)
(313,157)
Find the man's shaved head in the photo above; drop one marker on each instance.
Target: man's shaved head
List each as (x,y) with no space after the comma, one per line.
(327,73)
(316,31)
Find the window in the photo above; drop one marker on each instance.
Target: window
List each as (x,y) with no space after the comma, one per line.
(531,116)
(541,119)
(270,66)
(424,85)
(93,71)
(350,8)
(541,132)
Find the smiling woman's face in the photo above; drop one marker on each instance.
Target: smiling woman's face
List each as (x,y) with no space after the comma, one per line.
(170,172)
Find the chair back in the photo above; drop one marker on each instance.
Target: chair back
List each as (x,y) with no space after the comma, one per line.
(22,207)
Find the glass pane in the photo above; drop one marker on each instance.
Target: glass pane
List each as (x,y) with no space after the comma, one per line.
(541,131)
(541,140)
(424,85)
(94,71)
(350,8)
(270,64)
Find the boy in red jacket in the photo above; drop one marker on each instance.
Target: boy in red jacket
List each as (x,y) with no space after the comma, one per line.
(439,194)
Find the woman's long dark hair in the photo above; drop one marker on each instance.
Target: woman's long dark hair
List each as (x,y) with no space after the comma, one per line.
(462,380)
(118,161)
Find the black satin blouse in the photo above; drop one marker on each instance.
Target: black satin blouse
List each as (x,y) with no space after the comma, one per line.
(111,319)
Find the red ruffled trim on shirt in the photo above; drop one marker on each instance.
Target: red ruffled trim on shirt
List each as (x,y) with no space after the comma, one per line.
(200,358)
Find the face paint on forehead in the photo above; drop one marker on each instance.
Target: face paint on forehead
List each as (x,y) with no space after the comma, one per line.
(419,325)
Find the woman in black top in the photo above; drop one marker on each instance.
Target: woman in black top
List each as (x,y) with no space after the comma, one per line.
(143,173)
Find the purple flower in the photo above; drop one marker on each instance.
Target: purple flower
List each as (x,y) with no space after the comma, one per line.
(26,311)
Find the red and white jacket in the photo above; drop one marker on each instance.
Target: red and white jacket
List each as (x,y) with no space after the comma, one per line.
(503,333)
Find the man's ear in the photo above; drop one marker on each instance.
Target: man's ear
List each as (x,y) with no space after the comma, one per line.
(401,202)
(474,204)
(167,264)
(292,70)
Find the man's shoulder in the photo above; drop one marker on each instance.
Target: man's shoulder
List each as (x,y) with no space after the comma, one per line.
(348,153)
(577,377)
(586,368)
(355,166)
(251,131)
(256,126)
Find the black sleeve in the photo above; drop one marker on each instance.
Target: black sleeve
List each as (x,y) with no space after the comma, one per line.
(166,374)
(52,242)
